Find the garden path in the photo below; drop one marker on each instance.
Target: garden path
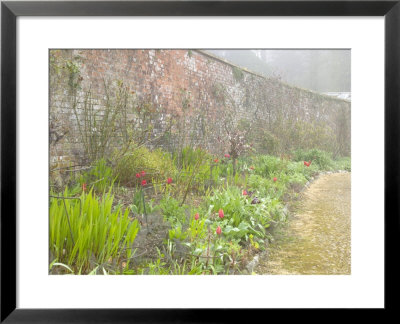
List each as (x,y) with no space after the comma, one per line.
(317,237)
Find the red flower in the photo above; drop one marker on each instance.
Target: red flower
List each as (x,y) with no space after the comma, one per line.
(137,175)
(216,160)
(221,213)
(144,182)
(275,179)
(143,173)
(219,231)
(83,186)
(244,193)
(196,216)
(307,164)
(169,180)
(227,155)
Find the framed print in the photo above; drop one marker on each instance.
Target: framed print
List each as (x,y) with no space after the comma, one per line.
(250,145)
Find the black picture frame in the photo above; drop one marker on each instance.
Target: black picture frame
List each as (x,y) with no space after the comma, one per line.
(9,13)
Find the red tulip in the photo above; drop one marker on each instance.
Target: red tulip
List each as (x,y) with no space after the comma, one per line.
(169,180)
(83,186)
(216,160)
(196,216)
(227,155)
(221,213)
(137,175)
(244,193)
(144,182)
(143,173)
(275,179)
(219,231)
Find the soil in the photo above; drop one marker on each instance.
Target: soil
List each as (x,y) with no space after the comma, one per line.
(317,238)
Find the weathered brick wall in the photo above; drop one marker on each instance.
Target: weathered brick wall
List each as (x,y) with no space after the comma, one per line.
(188,85)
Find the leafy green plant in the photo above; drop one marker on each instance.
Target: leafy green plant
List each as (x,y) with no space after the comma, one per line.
(240,215)
(343,163)
(177,233)
(100,176)
(322,159)
(268,165)
(172,211)
(158,267)
(197,228)
(88,231)
(137,206)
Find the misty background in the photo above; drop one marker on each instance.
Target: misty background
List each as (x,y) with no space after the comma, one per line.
(318,70)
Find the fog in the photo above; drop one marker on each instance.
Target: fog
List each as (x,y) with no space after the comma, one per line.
(317,70)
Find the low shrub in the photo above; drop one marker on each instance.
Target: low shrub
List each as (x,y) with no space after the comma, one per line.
(157,164)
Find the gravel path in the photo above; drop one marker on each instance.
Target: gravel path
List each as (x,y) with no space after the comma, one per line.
(317,239)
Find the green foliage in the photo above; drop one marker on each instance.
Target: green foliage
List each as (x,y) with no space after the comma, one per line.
(197,228)
(177,233)
(321,158)
(343,164)
(268,165)
(172,211)
(191,245)
(299,177)
(157,164)
(194,170)
(137,206)
(240,215)
(260,184)
(189,157)
(158,267)
(100,176)
(91,232)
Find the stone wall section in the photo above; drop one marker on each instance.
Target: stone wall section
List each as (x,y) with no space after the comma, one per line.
(181,84)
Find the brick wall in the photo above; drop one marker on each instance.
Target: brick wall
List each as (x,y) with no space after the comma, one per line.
(186,85)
